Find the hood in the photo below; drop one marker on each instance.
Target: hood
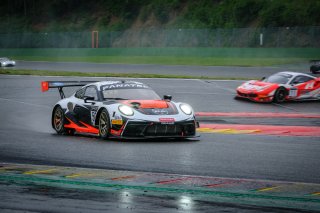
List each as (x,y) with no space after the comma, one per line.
(152,107)
(256,85)
(147,104)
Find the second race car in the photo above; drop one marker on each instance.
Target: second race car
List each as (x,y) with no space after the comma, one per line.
(121,109)
(280,87)
(6,62)
(315,66)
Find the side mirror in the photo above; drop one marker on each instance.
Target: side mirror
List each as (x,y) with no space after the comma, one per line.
(167,97)
(89,99)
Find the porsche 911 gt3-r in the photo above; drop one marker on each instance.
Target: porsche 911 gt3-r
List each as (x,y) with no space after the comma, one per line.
(122,109)
(282,86)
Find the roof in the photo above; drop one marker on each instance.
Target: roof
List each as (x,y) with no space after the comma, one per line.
(295,73)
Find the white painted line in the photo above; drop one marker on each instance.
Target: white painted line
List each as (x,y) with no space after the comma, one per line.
(26,103)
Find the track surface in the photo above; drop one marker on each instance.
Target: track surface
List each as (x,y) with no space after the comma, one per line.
(27,137)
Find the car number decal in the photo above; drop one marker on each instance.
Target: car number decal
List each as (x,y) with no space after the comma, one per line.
(293,92)
(93,114)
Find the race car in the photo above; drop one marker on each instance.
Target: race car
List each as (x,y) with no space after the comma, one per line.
(120,109)
(280,87)
(6,62)
(315,66)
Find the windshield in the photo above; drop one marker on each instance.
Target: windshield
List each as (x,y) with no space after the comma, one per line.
(4,59)
(131,94)
(278,78)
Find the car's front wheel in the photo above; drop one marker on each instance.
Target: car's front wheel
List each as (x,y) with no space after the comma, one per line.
(104,124)
(280,95)
(58,122)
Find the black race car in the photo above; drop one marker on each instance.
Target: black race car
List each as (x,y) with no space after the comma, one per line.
(315,66)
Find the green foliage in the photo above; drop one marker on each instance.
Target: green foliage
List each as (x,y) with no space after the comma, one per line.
(290,13)
(77,15)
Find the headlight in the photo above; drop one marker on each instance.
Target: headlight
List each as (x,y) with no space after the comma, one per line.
(186,109)
(126,110)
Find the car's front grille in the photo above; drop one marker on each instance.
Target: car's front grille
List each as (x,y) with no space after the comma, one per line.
(155,129)
(250,95)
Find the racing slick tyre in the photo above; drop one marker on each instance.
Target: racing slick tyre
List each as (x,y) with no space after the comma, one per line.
(104,124)
(280,95)
(58,121)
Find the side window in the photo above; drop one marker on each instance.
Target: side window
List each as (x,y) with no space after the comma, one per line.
(300,79)
(79,94)
(91,92)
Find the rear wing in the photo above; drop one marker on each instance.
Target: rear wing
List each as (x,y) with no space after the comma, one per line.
(46,85)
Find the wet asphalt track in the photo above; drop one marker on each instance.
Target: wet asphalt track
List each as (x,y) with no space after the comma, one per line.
(27,137)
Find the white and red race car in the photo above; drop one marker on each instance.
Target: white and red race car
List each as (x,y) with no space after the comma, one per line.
(280,87)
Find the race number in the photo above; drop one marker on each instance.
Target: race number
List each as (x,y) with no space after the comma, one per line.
(293,92)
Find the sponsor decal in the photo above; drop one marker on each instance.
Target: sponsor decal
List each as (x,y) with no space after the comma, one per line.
(310,85)
(167,120)
(58,84)
(160,111)
(125,86)
(117,122)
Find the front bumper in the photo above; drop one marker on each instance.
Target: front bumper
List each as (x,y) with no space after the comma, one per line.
(254,96)
(147,129)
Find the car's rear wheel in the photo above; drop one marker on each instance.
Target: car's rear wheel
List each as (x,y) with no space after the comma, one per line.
(280,95)
(104,124)
(58,122)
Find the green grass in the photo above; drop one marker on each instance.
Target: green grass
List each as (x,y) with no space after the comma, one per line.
(121,75)
(167,60)
(170,56)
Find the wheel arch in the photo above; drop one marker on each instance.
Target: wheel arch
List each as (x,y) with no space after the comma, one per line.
(285,89)
(286,93)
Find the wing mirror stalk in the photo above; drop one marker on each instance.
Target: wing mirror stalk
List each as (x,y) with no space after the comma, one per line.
(89,99)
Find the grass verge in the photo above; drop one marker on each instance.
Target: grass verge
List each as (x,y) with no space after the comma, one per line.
(120,75)
(170,60)
(169,56)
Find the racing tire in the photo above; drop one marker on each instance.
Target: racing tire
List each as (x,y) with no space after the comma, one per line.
(58,122)
(104,124)
(280,95)
(236,98)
